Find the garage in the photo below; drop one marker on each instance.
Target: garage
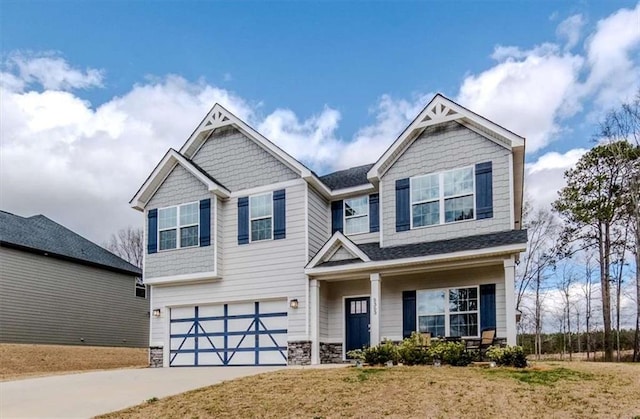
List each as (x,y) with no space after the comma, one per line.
(233,334)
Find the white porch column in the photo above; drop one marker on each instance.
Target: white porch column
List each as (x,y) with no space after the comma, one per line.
(375,309)
(314,302)
(510,299)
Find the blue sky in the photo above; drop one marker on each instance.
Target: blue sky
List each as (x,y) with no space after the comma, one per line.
(95,92)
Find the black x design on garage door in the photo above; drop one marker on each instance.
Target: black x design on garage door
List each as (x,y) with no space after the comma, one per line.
(248,333)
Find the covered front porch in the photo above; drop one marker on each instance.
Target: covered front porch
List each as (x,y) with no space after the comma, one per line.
(352,308)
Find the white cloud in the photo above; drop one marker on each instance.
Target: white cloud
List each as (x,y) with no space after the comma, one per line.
(612,54)
(545,177)
(50,71)
(570,29)
(527,91)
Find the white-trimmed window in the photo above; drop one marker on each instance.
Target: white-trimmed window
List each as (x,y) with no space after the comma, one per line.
(141,288)
(179,226)
(449,312)
(445,197)
(261,217)
(356,215)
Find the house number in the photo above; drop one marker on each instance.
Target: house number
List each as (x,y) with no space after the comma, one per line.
(375,306)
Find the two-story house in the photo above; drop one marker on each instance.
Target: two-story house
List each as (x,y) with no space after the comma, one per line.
(253,259)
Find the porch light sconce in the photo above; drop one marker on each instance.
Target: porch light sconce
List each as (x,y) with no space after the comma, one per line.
(156,312)
(293,303)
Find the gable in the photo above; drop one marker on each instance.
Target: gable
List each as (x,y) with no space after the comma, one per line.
(239,162)
(444,147)
(441,110)
(341,254)
(179,187)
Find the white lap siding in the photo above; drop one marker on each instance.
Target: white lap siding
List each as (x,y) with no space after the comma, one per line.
(271,269)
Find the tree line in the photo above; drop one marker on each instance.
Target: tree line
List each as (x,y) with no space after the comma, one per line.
(585,251)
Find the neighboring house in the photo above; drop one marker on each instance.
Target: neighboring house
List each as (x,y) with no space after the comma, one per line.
(57,287)
(254,259)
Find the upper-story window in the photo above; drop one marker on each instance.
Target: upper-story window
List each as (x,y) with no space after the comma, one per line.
(261,217)
(356,215)
(178,226)
(444,197)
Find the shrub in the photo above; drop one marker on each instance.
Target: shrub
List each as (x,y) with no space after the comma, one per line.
(412,352)
(511,356)
(356,354)
(382,353)
(452,353)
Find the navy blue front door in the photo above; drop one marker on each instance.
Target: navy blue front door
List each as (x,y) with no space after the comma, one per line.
(357,322)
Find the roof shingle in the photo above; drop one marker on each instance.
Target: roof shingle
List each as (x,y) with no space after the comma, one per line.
(481,241)
(347,178)
(39,233)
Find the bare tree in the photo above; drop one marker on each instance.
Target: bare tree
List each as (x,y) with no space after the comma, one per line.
(566,282)
(128,243)
(587,289)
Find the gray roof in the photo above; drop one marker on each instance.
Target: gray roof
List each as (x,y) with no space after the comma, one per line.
(347,178)
(481,241)
(41,235)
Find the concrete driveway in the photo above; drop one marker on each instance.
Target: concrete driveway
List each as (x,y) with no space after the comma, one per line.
(89,394)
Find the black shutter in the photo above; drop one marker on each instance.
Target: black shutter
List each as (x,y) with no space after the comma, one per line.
(487,306)
(152,231)
(243,220)
(279,215)
(205,222)
(484,191)
(336,216)
(374,213)
(403,205)
(408,313)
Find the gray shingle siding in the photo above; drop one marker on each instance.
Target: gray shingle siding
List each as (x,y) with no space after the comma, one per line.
(180,187)
(239,163)
(51,301)
(442,148)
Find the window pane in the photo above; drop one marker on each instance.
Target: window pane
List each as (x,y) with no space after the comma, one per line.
(458,182)
(356,225)
(167,217)
(433,324)
(463,324)
(425,188)
(463,299)
(189,236)
(356,206)
(430,302)
(189,214)
(167,239)
(457,209)
(261,229)
(426,214)
(261,206)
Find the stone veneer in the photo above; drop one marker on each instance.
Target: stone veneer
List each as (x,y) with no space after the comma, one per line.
(155,356)
(299,352)
(331,353)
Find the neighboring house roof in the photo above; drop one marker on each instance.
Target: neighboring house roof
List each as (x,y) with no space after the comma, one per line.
(482,241)
(41,235)
(347,178)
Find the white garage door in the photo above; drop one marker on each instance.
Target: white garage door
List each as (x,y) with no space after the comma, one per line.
(248,333)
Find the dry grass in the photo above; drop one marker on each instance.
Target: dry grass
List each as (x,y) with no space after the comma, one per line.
(557,390)
(19,361)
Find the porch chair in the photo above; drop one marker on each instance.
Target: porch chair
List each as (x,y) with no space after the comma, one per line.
(487,338)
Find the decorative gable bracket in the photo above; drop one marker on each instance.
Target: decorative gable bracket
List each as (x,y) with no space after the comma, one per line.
(336,242)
